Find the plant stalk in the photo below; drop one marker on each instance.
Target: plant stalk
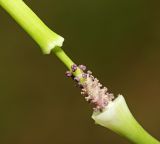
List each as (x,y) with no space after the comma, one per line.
(31,23)
(117,117)
(48,40)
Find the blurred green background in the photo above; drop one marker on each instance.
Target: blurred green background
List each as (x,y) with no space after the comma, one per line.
(119,40)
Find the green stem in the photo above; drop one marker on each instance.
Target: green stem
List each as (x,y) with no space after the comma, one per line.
(118,118)
(31,23)
(66,60)
(63,57)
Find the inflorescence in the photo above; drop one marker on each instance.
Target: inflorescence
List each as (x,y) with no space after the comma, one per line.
(93,91)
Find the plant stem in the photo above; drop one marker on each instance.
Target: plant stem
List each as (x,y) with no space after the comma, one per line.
(66,60)
(118,118)
(32,24)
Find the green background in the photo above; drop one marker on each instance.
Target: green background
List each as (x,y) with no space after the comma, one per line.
(119,40)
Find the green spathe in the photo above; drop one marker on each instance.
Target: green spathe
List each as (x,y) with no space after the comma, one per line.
(118,118)
(31,23)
